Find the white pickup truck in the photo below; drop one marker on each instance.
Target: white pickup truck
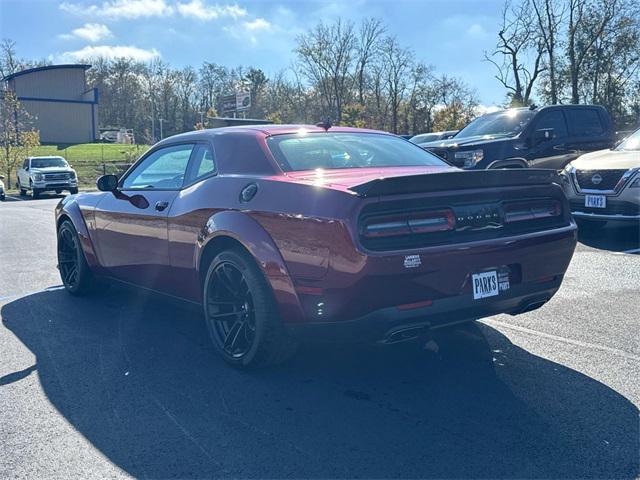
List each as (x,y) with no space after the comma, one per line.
(42,174)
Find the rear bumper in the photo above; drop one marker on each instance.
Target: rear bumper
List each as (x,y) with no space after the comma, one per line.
(392,325)
(607,217)
(366,288)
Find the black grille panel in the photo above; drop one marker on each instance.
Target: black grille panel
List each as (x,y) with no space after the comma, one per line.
(56,176)
(608,179)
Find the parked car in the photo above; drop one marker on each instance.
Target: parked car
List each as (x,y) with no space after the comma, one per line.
(432,137)
(42,174)
(547,137)
(2,192)
(278,235)
(604,186)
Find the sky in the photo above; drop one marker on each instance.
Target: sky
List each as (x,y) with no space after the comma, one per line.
(450,35)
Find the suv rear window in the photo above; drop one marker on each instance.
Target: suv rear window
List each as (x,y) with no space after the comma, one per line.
(311,151)
(584,121)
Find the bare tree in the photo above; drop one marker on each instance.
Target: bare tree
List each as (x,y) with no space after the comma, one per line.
(587,24)
(549,17)
(371,31)
(399,61)
(17,136)
(517,41)
(325,57)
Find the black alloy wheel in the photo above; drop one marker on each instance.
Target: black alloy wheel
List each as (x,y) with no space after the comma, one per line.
(68,257)
(230,310)
(241,313)
(74,271)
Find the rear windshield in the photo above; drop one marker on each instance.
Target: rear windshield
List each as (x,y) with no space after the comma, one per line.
(328,150)
(48,162)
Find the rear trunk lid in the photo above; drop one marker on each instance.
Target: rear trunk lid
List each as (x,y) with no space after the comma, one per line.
(453,207)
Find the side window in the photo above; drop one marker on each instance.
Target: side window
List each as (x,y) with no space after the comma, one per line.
(585,122)
(553,119)
(202,164)
(164,168)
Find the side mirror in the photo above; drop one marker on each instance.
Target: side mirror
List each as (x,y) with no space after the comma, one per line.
(26,169)
(543,135)
(107,183)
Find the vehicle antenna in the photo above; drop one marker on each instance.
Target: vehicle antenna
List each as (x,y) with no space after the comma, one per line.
(326,124)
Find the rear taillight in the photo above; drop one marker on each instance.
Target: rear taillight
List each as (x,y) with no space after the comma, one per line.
(519,211)
(408,223)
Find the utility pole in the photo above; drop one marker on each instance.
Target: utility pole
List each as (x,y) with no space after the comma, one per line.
(202,118)
(161,120)
(153,129)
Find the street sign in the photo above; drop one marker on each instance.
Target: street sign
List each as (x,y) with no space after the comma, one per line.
(243,101)
(228,103)
(237,102)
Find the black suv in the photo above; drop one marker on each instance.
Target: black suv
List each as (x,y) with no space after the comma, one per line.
(546,137)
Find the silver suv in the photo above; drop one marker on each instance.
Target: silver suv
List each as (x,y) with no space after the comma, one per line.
(42,174)
(604,186)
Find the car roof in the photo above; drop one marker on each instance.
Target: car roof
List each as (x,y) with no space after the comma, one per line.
(261,130)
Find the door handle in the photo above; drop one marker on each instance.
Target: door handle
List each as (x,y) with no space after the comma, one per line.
(160,206)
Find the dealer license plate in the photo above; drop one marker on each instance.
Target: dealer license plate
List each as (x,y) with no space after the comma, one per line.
(595,201)
(485,284)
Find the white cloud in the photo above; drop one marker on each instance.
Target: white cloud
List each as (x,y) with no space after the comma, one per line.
(92,32)
(203,11)
(115,9)
(476,30)
(257,24)
(111,52)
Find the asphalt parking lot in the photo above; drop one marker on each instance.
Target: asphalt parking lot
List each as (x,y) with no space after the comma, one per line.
(126,384)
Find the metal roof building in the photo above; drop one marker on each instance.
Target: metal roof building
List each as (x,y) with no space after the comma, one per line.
(57,97)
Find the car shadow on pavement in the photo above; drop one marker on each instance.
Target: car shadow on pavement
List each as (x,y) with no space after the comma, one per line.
(612,237)
(137,377)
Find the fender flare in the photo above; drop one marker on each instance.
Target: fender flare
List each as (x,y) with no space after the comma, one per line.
(508,162)
(68,209)
(258,242)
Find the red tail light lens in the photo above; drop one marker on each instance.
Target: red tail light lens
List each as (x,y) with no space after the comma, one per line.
(408,223)
(520,211)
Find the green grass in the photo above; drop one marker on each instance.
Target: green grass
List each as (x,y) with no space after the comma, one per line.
(93,152)
(88,158)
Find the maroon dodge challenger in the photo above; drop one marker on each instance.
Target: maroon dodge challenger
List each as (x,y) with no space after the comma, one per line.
(333,233)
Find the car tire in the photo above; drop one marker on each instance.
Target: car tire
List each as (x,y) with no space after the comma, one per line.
(70,257)
(2,197)
(35,193)
(23,191)
(73,191)
(241,313)
(590,225)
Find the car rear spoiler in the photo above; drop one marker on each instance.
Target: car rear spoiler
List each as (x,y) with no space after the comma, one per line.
(456,180)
